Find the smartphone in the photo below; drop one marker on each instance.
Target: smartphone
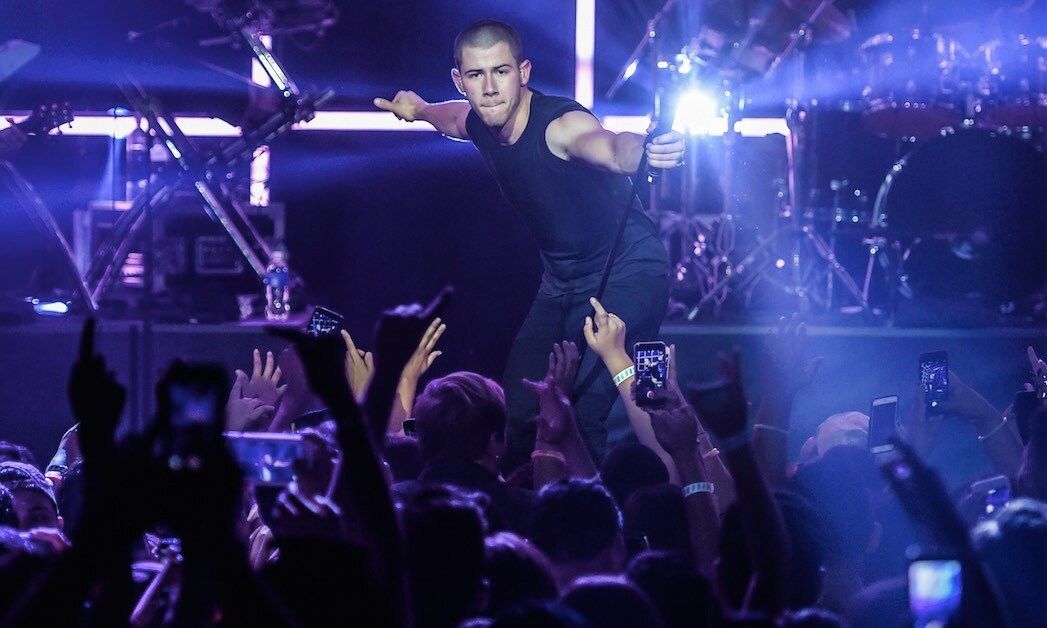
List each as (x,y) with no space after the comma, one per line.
(191,412)
(652,370)
(409,428)
(994,493)
(882,422)
(935,590)
(266,458)
(934,380)
(324,322)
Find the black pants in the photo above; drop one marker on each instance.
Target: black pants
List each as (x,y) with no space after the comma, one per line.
(640,300)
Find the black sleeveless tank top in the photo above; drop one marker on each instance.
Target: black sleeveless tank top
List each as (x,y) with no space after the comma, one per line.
(571,209)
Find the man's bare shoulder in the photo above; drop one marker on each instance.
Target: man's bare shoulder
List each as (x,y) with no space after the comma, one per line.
(564,131)
(575,122)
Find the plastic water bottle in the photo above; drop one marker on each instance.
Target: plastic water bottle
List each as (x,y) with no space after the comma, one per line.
(277,287)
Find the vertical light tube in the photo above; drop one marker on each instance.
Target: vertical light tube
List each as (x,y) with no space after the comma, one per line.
(259,187)
(584,47)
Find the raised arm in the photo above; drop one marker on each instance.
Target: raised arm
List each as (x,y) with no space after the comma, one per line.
(448,117)
(578,135)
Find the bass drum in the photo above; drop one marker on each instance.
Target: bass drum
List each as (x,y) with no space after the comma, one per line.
(969,208)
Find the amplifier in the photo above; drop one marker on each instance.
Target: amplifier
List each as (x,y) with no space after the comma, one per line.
(197,267)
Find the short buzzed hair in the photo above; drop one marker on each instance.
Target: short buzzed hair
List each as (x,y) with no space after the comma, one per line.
(484,34)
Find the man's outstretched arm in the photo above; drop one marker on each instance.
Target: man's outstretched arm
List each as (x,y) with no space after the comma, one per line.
(579,135)
(448,117)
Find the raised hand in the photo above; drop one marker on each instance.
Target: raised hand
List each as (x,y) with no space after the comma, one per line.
(296,516)
(723,407)
(608,337)
(264,383)
(424,354)
(563,366)
(666,150)
(323,359)
(406,105)
(555,417)
(1039,374)
(96,398)
(675,429)
(788,367)
(359,367)
(916,428)
(244,413)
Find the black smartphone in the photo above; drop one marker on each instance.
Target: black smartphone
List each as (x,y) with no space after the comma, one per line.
(324,321)
(934,380)
(409,428)
(994,493)
(652,370)
(191,412)
(935,590)
(882,422)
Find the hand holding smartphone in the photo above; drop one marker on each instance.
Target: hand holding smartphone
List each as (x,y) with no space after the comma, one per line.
(324,322)
(934,380)
(882,423)
(935,590)
(652,371)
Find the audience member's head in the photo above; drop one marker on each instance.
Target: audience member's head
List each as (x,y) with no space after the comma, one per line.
(462,416)
(631,466)
(682,596)
(656,518)
(811,618)
(611,602)
(806,542)
(13,452)
(516,572)
(34,499)
(845,428)
(540,615)
(8,514)
(444,551)
(838,486)
(1013,543)
(578,526)
(315,472)
(404,457)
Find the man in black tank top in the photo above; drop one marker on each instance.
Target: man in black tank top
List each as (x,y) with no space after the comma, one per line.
(567,177)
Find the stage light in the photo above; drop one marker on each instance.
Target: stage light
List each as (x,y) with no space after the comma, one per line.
(50,308)
(584,49)
(698,113)
(629,71)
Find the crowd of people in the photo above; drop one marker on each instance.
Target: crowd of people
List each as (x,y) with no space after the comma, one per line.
(404,512)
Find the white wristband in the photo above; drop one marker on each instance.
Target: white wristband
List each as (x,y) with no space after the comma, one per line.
(697,487)
(624,374)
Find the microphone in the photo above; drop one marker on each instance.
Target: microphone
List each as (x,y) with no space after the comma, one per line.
(665,104)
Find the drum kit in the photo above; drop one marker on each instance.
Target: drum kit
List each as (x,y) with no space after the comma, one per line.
(960,214)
